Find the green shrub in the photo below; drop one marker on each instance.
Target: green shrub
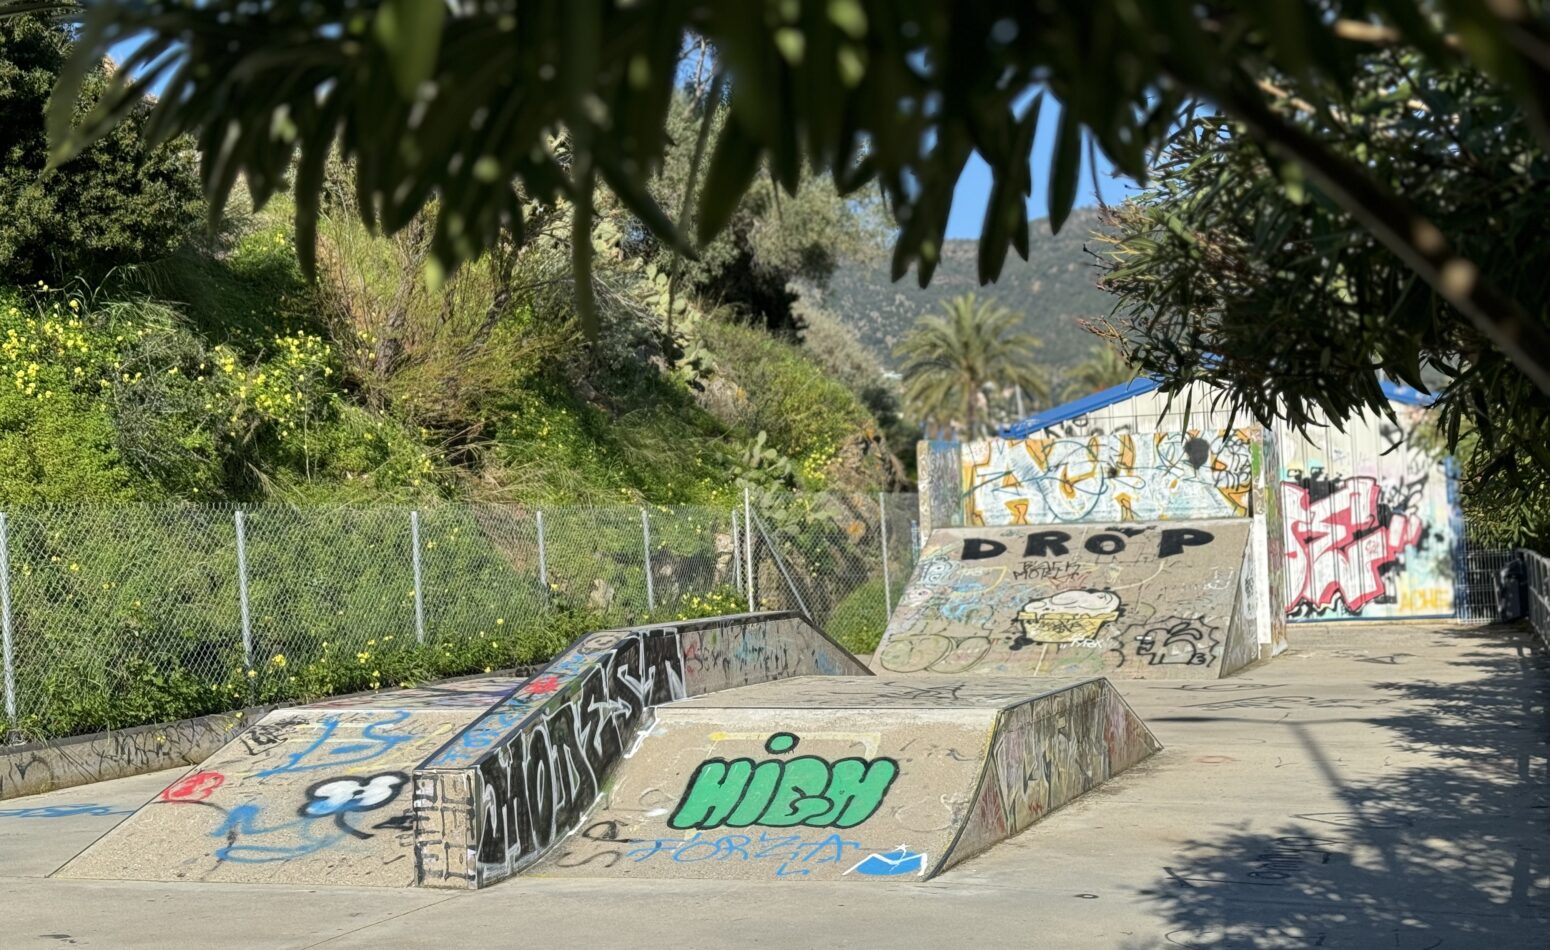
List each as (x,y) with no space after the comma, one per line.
(117,203)
(806,414)
(858,621)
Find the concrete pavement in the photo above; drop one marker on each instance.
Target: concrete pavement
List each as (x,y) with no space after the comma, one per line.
(1378,786)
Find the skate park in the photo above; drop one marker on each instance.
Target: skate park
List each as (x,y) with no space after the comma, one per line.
(1094,733)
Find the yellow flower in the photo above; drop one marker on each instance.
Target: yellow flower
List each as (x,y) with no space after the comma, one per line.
(278,660)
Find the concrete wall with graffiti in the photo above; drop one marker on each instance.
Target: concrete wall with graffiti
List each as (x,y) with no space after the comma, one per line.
(1370,523)
(1158,600)
(496,797)
(1118,477)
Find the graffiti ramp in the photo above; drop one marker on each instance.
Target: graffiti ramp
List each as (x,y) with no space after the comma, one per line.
(311,794)
(848,778)
(1171,599)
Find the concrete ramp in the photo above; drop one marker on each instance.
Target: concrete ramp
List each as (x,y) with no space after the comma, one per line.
(313,794)
(849,778)
(1169,599)
(508,788)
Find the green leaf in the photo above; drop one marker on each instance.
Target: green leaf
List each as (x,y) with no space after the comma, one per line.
(733,166)
(1065,166)
(410,32)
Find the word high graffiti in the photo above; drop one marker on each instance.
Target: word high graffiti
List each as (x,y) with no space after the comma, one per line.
(1340,545)
(807,790)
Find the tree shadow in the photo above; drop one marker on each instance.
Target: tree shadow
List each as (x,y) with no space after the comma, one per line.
(1447,849)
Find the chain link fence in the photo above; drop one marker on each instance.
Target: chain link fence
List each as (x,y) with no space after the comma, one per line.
(124,615)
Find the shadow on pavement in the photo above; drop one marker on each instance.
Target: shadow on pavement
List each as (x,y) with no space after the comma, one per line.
(1447,848)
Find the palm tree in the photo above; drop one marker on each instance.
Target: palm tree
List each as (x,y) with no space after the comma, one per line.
(1103,368)
(950,358)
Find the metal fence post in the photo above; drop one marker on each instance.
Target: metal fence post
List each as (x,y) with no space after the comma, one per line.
(543,564)
(8,655)
(242,588)
(882,525)
(737,553)
(645,537)
(419,590)
(780,566)
(748,543)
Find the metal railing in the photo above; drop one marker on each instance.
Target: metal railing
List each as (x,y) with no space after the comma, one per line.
(1538,570)
(115,616)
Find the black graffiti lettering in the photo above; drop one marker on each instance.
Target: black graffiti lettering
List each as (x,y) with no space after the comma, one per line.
(1046,544)
(1104,544)
(1175,540)
(975,549)
(532,794)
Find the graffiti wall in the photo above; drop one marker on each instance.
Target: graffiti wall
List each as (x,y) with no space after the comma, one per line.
(1126,599)
(1369,527)
(517,780)
(1117,477)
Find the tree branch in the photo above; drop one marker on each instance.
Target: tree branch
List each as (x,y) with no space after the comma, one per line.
(1408,234)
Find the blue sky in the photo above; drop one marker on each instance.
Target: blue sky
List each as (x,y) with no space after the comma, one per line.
(974,187)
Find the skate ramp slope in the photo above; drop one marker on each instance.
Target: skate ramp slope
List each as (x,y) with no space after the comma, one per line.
(835,778)
(517,780)
(312,794)
(1169,599)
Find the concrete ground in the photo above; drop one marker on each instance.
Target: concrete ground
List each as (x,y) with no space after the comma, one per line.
(1377,787)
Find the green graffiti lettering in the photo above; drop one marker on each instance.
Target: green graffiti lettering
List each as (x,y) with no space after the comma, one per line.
(806,790)
(766,777)
(856,789)
(800,795)
(714,791)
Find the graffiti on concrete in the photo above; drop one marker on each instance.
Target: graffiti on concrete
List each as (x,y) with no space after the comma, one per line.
(780,793)
(1347,540)
(535,790)
(518,779)
(321,820)
(1178,640)
(63,811)
(196,787)
(792,855)
(1121,477)
(329,751)
(900,860)
(1136,600)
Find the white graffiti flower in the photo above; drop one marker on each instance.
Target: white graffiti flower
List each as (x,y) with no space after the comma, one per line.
(348,794)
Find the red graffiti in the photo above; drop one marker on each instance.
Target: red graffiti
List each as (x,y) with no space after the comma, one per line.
(542,685)
(193,788)
(1336,546)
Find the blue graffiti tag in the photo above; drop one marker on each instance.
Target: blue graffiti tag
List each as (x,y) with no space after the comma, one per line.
(788,850)
(62,811)
(345,753)
(900,860)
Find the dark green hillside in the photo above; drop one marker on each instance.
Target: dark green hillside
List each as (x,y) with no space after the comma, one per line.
(1054,288)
